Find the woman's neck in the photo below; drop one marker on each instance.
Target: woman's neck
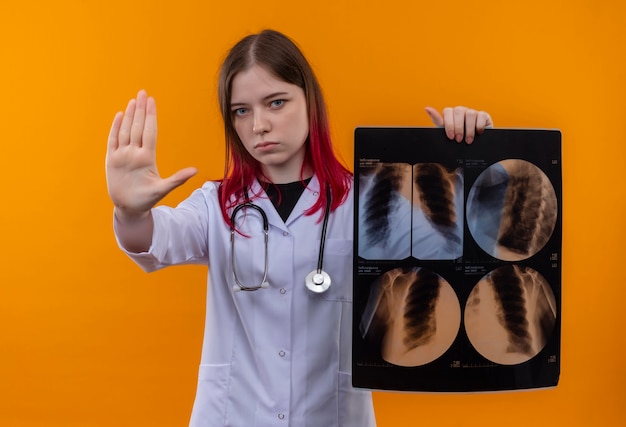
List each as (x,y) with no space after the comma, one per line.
(286,177)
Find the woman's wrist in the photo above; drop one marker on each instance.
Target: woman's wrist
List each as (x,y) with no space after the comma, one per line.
(130,217)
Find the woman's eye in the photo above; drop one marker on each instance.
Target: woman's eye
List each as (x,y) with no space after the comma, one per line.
(239,111)
(277,103)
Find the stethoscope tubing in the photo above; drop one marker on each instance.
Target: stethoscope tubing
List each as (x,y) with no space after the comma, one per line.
(320,256)
(317,281)
(240,286)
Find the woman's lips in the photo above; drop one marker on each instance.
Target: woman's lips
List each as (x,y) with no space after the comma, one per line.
(265,145)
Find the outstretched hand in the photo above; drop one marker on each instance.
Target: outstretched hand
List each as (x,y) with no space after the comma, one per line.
(461,123)
(133,180)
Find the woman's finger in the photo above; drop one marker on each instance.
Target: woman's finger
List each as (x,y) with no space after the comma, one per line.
(113,141)
(136,129)
(483,121)
(150,125)
(459,123)
(435,117)
(470,125)
(124,133)
(448,122)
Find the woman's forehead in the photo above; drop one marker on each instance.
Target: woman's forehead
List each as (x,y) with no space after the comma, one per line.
(257,83)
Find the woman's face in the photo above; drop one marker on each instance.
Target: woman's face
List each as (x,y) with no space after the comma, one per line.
(271,119)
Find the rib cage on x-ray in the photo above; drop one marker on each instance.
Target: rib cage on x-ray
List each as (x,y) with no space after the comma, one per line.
(457,260)
(436,193)
(410,211)
(384,213)
(512,210)
(438,196)
(413,316)
(510,314)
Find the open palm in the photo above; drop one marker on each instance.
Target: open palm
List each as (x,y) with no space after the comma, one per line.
(133,180)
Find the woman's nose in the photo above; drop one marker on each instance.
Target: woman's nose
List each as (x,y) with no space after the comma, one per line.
(260,124)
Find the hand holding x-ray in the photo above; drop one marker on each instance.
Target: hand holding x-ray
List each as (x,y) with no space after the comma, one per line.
(461,123)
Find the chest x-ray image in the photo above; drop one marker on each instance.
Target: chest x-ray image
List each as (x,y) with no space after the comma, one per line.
(437,231)
(412,316)
(457,260)
(511,210)
(510,314)
(385,211)
(410,211)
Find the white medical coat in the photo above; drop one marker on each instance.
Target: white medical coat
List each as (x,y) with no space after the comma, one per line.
(279,356)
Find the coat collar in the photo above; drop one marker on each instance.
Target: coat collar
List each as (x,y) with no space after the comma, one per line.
(307,199)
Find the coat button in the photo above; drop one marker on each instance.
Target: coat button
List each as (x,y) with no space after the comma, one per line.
(281,416)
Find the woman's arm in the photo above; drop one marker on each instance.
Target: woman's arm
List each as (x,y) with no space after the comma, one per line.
(133,180)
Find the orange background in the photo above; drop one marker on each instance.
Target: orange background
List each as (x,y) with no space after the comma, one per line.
(88,339)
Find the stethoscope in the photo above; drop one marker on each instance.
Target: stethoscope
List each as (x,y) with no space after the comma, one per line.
(317,281)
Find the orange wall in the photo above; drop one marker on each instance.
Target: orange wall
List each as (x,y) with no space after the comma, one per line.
(87,339)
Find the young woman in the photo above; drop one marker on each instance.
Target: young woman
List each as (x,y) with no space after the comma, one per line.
(280,355)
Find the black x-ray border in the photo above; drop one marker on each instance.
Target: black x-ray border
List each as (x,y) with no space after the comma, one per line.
(461,368)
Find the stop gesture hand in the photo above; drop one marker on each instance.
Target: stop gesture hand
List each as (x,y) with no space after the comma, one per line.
(133,180)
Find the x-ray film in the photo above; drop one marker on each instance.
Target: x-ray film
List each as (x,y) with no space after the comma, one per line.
(457,260)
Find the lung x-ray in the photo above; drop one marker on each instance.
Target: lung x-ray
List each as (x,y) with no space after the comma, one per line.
(457,266)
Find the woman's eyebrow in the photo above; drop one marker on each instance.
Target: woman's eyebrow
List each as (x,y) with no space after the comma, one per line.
(265,98)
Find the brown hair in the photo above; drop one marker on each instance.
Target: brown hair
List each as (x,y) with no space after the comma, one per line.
(280,56)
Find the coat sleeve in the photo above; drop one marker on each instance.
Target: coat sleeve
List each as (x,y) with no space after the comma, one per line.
(180,234)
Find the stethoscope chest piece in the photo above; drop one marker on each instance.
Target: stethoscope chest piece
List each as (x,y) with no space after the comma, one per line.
(317,281)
